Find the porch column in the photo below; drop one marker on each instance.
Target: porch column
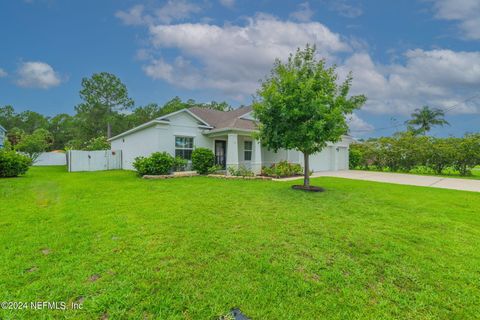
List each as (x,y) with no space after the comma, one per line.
(232,151)
(257,157)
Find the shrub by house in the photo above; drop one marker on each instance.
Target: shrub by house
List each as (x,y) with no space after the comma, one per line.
(202,160)
(158,163)
(13,164)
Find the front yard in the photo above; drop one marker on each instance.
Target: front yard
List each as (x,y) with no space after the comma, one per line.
(193,248)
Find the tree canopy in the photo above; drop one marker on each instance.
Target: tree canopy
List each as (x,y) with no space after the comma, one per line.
(104,93)
(105,105)
(301,106)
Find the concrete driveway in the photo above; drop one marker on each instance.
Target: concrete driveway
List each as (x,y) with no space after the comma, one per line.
(408,179)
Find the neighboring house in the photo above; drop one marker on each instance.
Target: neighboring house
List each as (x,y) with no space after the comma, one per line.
(3,136)
(227,134)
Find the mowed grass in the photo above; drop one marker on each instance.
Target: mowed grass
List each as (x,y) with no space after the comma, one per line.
(193,248)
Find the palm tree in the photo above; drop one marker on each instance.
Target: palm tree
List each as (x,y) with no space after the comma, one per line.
(425,118)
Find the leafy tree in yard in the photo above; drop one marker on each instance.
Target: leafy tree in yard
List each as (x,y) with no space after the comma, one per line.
(34,144)
(300,106)
(425,118)
(105,93)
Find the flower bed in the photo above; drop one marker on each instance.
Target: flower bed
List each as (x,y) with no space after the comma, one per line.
(223,176)
(283,169)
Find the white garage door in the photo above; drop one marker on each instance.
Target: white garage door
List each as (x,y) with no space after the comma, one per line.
(342,158)
(322,161)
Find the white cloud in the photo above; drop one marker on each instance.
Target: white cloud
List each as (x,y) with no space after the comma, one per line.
(304,12)
(176,10)
(346,10)
(227,3)
(466,12)
(439,78)
(134,16)
(34,74)
(3,73)
(143,54)
(158,69)
(172,10)
(233,58)
(359,126)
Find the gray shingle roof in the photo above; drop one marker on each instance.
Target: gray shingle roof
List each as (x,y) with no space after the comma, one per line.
(225,119)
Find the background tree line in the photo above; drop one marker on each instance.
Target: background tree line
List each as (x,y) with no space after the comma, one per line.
(408,152)
(415,152)
(105,110)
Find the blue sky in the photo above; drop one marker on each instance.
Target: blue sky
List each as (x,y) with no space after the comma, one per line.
(403,54)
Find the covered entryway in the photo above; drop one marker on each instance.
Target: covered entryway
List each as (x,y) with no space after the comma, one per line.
(235,149)
(221,153)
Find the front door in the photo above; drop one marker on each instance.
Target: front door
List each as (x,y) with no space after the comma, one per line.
(220,153)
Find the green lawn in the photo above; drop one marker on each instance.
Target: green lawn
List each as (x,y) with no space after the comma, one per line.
(193,248)
(476,172)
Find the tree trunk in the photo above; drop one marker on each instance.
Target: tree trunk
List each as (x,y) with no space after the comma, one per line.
(306,176)
(109,130)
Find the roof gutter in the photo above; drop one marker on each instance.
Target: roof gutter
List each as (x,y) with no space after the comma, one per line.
(140,127)
(228,129)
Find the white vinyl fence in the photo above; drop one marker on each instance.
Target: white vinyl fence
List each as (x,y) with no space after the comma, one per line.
(51,159)
(94,160)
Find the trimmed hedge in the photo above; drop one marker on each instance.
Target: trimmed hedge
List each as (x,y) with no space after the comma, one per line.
(13,164)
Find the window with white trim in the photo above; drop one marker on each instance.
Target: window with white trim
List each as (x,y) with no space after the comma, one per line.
(247,150)
(184,147)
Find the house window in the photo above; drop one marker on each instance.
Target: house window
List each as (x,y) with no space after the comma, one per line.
(184,147)
(247,149)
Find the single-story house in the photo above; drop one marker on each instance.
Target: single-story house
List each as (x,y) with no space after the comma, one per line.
(3,136)
(227,133)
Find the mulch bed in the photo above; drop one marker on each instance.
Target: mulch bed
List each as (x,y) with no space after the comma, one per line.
(310,188)
(283,177)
